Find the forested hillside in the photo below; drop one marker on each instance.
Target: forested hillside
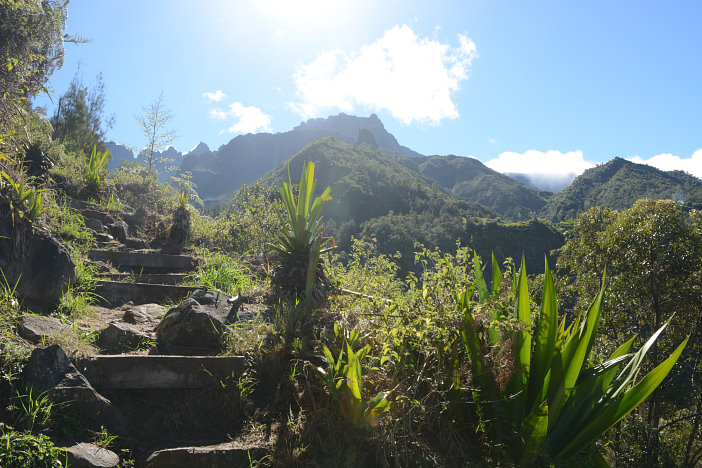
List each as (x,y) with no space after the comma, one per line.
(617,184)
(468,179)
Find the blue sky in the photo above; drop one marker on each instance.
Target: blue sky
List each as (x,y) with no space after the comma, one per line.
(544,87)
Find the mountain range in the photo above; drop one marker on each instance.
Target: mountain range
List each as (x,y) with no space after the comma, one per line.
(246,158)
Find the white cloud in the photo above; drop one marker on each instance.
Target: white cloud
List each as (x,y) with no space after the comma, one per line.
(550,170)
(669,162)
(412,78)
(217,96)
(247,119)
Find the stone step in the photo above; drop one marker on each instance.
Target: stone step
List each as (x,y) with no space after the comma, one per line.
(145,260)
(227,454)
(115,293)
(135,372)
(151,278)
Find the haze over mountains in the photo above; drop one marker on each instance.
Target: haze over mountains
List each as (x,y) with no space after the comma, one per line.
(246,158)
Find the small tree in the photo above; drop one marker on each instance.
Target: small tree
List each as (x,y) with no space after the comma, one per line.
(79,121)
(154,123)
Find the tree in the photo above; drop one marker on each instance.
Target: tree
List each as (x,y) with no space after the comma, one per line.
(79,121)
(31,49)
(653,256)
(154,123)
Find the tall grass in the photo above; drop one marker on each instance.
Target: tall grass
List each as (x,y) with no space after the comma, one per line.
(221,272)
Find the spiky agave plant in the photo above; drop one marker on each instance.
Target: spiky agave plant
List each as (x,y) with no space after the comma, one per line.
(300,269)
(554,405)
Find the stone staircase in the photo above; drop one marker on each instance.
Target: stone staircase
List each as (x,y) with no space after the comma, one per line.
(172,409)
(146,276)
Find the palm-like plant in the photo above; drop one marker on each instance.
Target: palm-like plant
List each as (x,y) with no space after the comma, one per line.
(553,404)
(97,168)
(300,244)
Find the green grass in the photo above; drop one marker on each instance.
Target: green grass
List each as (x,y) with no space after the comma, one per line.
(220,272)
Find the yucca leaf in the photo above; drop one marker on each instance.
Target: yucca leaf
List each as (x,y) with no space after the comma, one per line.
(483,294)
(569,362)
(622,406)
(496,277)
(353,377)
(545,343)
(519,383)
(534,430)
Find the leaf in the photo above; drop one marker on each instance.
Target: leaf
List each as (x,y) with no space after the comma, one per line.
(545,344)
(533,432)
(622,406)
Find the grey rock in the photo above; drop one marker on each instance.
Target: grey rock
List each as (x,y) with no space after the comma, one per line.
(120,337)
(38,264)
(143,313)
(102,237)
(120,230)
(94,224)
(134,243)
(45,368)
(85,455)
(198,322)
(49,370)
(35,328)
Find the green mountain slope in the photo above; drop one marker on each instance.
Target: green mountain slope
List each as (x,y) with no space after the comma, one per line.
(468,179)
(618,184)
(377,194)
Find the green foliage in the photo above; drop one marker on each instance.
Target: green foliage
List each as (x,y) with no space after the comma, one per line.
(617,185)
(76,301)
(79,122)
(553,403)
(96,170)
(154,123)
(299,246)
(24,200)
(343,378)
(220,272)
(469,179)
(20,450)
(31,49)
(255,216)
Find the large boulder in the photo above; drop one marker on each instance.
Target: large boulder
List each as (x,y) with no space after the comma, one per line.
(38,264)
(198,322)
(49,370)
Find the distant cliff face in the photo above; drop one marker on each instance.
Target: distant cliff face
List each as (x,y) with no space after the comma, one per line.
(244,159)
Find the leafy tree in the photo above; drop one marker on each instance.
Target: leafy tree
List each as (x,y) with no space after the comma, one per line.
(653,256)
(154,123)
(79,120)
(31,45)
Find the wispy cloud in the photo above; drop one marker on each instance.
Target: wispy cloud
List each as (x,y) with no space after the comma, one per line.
(412,78)
(217,96)
(247,119)
(549,170)
(670,162)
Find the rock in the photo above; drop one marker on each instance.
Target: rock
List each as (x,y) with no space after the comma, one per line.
(49,370)
(134,243)
(212,456)
(38,264)
(120,230)
(45,368)
(94,224)
(85,455)
(119,338)
(34,328)
(198,322)
(102,237)
(143,313)
(102,267)
(179,233)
